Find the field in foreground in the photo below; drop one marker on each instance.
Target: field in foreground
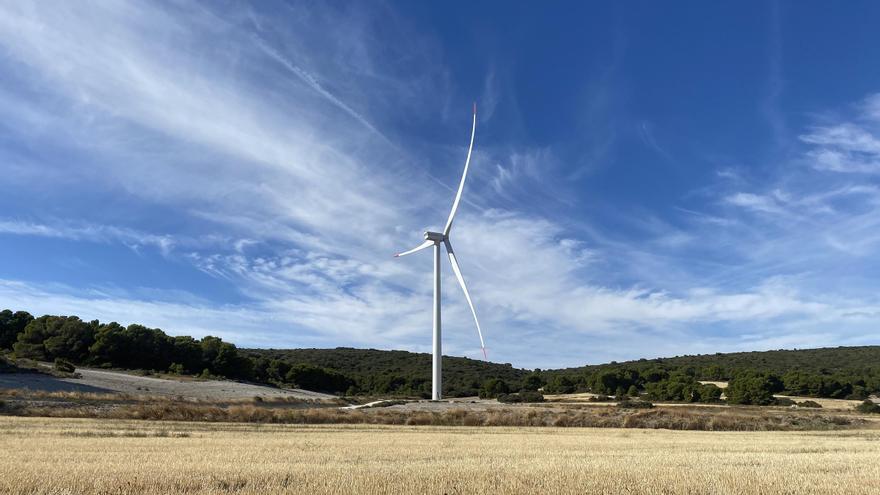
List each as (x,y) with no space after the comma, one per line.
(46,455)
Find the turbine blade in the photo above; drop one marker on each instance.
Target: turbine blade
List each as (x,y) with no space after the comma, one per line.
(463,177)
(413,250)
(467,295)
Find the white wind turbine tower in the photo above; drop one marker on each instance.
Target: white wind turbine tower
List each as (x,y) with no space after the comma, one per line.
(435,239)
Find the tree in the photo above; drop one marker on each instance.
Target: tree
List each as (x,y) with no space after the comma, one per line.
(148,348)
(187,352)
(655,374)
(560,384)
(533,381)
(48,337)
(278,370)
(111,346)
(223,359)
(708,392)
(12,324)
(135,347)
(713,372)
(319,379)
(682,386)
(492,387)
(70,339)
(752,387)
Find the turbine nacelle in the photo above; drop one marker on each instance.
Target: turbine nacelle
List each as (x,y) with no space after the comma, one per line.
(437,237)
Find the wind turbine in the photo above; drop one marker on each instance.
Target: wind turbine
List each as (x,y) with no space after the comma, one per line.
(435,239)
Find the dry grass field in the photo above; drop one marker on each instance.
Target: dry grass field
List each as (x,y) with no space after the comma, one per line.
(85,456)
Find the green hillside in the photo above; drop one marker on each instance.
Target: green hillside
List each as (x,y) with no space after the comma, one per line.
(840,372)
(828,360)
(396,372)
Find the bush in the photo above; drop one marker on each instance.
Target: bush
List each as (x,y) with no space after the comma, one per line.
(635,404)
(809,403)
(64,366)
(868,407)
(785,401)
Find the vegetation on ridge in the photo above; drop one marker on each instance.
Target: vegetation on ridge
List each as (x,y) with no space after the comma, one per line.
(754,377)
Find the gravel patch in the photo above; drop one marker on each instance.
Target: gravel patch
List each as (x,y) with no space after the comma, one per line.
(99,381)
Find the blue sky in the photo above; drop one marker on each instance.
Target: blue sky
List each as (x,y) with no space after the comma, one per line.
(647,179)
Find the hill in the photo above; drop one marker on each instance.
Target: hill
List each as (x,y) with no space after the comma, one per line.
(841,372)
(395,372)
(827,360)
(837,373)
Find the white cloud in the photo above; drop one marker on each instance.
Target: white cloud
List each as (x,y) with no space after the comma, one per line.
(273,148)
(92,233)
(755,202)
(848,146)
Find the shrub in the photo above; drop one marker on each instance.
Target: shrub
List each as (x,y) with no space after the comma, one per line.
(784,401)
(858,393)
(868,407)
(64,366)
(531,396)
(635,404)
(809,403)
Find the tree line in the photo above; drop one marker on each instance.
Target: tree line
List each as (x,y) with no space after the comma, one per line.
(753,377)
(665,381)
(137,347)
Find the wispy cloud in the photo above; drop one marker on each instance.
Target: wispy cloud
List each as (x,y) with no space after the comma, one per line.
(849,146)
(770,105)
(92,233)
(262,159)
(313,83)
